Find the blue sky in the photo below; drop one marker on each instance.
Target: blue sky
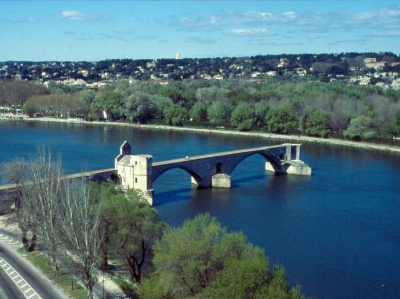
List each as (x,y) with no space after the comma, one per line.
(98,30)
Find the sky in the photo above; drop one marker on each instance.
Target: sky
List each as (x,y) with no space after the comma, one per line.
(99,30)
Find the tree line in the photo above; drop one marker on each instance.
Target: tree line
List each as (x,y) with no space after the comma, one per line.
(82,226)
(309,108)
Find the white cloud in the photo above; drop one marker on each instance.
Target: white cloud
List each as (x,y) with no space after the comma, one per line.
(375,15)
(119,35)
(123,32)
(307,20)
(282,43)
(251,32)
(147,37)
(347,41)
(198,24)
(215,22)
(386,34)
(74,15)
(312,36)
(199,40)
(265,17)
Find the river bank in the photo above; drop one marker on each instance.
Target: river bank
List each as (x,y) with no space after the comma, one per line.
(299,138)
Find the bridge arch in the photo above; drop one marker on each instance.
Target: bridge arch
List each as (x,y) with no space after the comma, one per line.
(194,174)
(235,161)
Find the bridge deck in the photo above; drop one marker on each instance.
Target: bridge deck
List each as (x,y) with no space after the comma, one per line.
(248,150)
(68,177)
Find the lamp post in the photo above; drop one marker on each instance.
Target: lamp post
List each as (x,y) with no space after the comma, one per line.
(103,282)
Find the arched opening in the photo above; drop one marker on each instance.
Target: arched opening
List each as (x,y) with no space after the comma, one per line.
(173,185)
(250,170)
(114,178)
(282,156)
(218,168)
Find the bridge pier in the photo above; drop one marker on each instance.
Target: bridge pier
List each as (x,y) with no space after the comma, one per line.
(297,167)
(290,162)
(221,180)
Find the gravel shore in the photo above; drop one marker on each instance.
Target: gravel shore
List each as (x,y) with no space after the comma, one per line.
(295,138)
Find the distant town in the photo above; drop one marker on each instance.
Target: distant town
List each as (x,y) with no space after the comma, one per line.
(379,69)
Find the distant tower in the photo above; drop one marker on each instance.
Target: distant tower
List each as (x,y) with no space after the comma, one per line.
(176,56)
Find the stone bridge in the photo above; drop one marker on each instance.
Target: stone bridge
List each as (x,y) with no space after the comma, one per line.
(213,170)
(7,192)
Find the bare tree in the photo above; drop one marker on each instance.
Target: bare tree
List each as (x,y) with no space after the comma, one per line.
(80,233)
(16,173)
(41,196)
(63,213)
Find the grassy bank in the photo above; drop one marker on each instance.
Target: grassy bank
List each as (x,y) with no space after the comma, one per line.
(65,280)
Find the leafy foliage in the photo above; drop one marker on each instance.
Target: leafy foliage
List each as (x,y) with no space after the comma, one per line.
(360,128)
(217,112)
(243,117)
(28,108)
(317,124)
(202,260)
(111,100)
(132,229)
(280,120)
(396,123)
(278,102)
(175,114)
(140,108)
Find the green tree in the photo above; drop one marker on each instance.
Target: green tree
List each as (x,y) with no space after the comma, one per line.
(87,97)
(173,92)
(280,120)
(175,114)
(243,117)
(199,111)
(217,112)
(58,87)
(396,122)
(160,102)
(316,124)
(360,128)
(132,229)
(202,260)
(28,108)
(139,108)
(111,100)
(387,130)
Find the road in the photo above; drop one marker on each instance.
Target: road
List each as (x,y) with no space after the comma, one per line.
(8,289)
(20,279)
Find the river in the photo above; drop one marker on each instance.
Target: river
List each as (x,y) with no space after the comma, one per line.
(337,233)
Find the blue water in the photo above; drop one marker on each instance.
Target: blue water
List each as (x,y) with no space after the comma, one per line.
(337,233)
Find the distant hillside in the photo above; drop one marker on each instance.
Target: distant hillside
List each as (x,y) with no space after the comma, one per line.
(359,68)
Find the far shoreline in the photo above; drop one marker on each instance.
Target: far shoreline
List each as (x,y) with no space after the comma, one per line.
(361,145)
